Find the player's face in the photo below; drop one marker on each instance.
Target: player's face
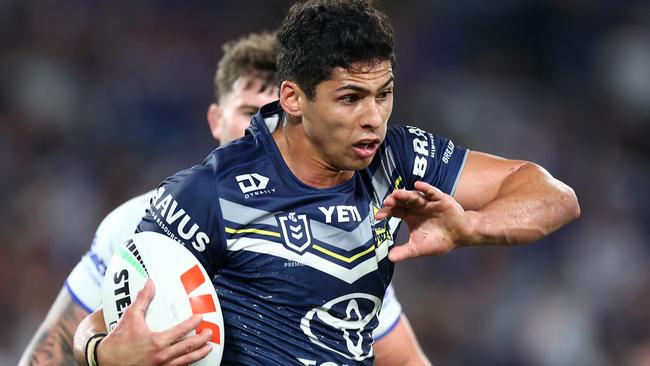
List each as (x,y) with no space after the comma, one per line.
(347,119)
(229,120)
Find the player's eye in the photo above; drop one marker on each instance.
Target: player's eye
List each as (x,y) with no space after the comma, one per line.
(384,94)
(349,98)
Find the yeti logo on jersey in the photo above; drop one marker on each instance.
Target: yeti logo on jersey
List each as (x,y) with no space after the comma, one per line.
(295,230)
(352,317)
(251,182)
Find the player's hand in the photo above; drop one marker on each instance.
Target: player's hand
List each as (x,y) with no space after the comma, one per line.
(132,343)
(437,223)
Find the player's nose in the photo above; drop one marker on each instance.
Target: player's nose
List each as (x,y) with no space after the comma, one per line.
(372,116)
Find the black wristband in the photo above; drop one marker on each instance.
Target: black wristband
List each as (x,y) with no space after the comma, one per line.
(91,354)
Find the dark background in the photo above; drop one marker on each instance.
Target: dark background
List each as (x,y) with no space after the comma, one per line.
(100,101)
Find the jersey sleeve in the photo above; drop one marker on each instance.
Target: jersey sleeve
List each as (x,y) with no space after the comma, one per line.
(185,208)
(426,157)
(85,281)
(389,316)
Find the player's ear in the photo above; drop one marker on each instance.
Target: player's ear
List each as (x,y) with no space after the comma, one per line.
(290,98)
(214,120)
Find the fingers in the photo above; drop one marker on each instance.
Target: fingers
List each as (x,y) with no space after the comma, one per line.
(411,250)
(401,252)
(409,198)
(394,205)
(418,198)
(144,297)
(191,347)
(402,202)
(138,309)
(180,330)
(383,213)
(430,192)
(193,356)
(432,245)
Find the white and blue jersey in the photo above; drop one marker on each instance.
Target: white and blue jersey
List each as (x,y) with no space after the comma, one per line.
(300,272)
(84,283)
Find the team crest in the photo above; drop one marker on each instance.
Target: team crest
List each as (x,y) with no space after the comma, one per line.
(295,230)
(380,229)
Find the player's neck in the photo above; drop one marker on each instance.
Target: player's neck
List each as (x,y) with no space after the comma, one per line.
(304,158)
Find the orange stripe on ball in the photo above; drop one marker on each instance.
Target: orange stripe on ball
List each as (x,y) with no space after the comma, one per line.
(192,279)
(202,304)
(216,336)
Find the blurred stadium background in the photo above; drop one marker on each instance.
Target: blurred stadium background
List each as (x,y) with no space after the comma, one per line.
(101,100)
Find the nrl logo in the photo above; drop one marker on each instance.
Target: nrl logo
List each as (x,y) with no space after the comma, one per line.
(295,230)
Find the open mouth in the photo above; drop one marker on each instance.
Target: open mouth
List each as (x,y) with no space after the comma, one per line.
(367,145)
(366,149)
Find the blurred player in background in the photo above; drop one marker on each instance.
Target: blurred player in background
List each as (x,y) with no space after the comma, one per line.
(245,80)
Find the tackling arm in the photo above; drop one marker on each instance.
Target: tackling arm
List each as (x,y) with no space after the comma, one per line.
(52,343)
(89,326)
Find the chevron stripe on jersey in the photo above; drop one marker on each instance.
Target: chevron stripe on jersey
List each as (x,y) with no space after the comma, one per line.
(347,255)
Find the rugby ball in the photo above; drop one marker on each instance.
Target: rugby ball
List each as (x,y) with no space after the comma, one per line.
(182,286)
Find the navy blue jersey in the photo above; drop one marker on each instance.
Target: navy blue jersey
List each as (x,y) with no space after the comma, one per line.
(300,272)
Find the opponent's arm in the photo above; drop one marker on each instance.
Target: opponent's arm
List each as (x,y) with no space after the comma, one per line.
(498,201)
(400,347)
(87,328)
(132,343)
(52,343)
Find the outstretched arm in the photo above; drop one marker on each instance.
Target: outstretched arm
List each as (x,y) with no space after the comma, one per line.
(498,201)
(132,343)
(52,343)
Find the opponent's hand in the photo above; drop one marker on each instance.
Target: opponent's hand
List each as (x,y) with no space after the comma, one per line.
(132,343)
(437,223)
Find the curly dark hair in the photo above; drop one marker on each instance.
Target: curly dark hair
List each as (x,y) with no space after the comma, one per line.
(254,54)
(317,36)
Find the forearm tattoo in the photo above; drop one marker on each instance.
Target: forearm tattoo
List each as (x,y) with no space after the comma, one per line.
(54,345)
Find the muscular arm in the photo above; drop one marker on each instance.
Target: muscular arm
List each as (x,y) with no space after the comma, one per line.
(400,347)
(52,343)
(498,201)
(511,201)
